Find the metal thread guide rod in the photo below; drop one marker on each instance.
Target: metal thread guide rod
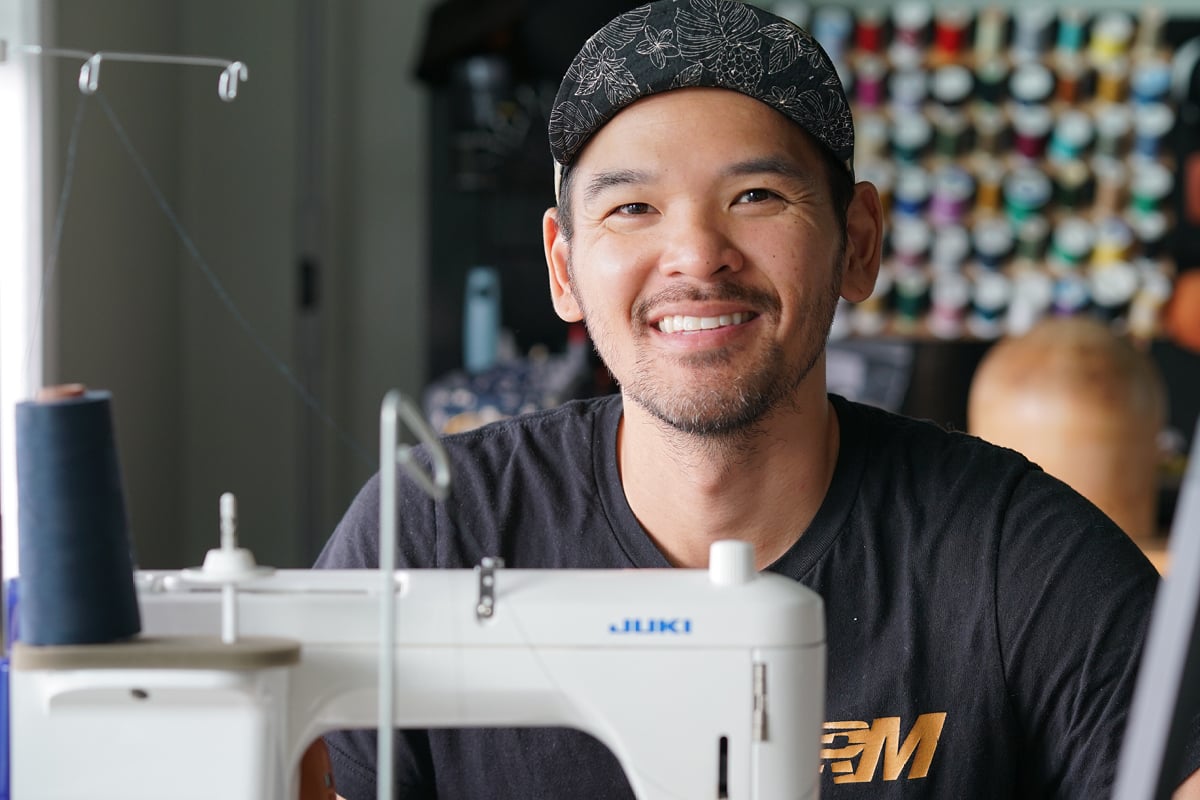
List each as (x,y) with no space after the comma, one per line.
(227,566)
(228,511)
(232,72)
(392,453)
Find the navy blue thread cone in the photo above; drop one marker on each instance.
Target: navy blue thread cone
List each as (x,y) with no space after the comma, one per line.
(75,554)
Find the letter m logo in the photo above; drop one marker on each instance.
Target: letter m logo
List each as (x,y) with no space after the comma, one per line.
(880,741)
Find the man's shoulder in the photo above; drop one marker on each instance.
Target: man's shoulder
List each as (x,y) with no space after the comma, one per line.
(979,489)
(568,432)
(573,418)
(925,443)
(955,475)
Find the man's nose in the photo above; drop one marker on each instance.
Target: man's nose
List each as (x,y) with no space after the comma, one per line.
(696,244)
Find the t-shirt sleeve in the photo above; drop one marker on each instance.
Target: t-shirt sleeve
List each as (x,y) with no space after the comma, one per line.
(355,544)
(1073,599)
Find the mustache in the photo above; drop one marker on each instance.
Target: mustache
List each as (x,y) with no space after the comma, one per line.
(758,300)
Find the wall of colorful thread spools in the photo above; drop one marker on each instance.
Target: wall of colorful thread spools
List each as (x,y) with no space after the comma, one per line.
(1022,156)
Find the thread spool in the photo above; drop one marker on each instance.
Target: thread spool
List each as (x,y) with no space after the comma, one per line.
(1150,230)
(990,298)
(910,24)
(1032,27)
(1070,185)
(991,127)
(951,128)
(950,32)
(871,137)
(991,80)
(1071,244)
(990,179)
(1146,312)
(912,296)
(1113,124)
(1151,124)
(949,297)
(1027,191)
(1149,29)
(1072,31)
(1031,130)
(951,85)
(1031,296)
(870,315)
(1071,79)
(1072,135)
(1031,84)
(1114,238)
(908,87)
(1151,81)
(990,28)
(1111,35)
(993,240)
(910,239)
(1032,235)
(832,27)
(951,248)
(1113,288)
(868,30)
(1072,295)
(913,187)
(869,81)
(1110,174)
(953,188)
(1112,81)
(75,555)
(883,175)
(1152,182)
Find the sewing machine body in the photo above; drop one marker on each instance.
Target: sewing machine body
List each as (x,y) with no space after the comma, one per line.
(660,665)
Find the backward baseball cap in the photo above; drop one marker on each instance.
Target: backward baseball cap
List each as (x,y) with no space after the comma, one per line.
(676,44)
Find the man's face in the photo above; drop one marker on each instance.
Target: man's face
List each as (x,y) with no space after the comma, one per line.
(705,257)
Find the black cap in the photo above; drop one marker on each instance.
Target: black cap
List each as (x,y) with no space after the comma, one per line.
(676,44)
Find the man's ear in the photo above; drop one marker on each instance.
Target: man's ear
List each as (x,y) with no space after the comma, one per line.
(864,243)
(558,255)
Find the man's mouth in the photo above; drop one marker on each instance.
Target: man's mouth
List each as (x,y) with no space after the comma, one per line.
(679,323)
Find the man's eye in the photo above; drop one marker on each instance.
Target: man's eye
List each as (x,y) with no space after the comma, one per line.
(632,209)
(756,196)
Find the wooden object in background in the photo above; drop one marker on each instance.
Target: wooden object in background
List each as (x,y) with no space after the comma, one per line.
(1086,405)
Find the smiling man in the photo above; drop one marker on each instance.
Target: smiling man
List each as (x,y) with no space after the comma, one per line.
(984,620)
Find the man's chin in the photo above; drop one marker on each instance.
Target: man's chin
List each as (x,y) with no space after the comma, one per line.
(711,416)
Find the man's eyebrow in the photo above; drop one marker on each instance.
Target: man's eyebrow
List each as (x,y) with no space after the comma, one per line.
(610,178)
(783,167)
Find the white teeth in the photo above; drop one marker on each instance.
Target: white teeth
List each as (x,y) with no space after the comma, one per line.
(679,322)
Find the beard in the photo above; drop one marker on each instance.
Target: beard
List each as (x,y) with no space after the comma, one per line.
(719,407)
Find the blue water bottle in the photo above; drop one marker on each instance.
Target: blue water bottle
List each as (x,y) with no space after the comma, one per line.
(481,319)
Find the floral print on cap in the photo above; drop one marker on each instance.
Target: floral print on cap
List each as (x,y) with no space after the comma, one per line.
(674,44)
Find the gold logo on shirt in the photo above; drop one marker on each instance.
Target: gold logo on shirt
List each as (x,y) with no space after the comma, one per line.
(849,741)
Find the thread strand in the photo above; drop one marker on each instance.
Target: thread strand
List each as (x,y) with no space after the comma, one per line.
(223,295)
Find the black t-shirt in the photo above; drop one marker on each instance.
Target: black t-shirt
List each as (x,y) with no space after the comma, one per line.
(983,619)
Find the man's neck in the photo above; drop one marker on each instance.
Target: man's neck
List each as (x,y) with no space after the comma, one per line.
(764,488)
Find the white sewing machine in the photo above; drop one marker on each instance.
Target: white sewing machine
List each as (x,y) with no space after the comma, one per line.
(704,684)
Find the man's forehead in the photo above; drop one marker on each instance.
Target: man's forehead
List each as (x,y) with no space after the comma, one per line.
(671,119)
(668,128)
(680,115)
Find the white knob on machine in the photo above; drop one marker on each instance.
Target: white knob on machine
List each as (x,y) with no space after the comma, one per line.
(731,562)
